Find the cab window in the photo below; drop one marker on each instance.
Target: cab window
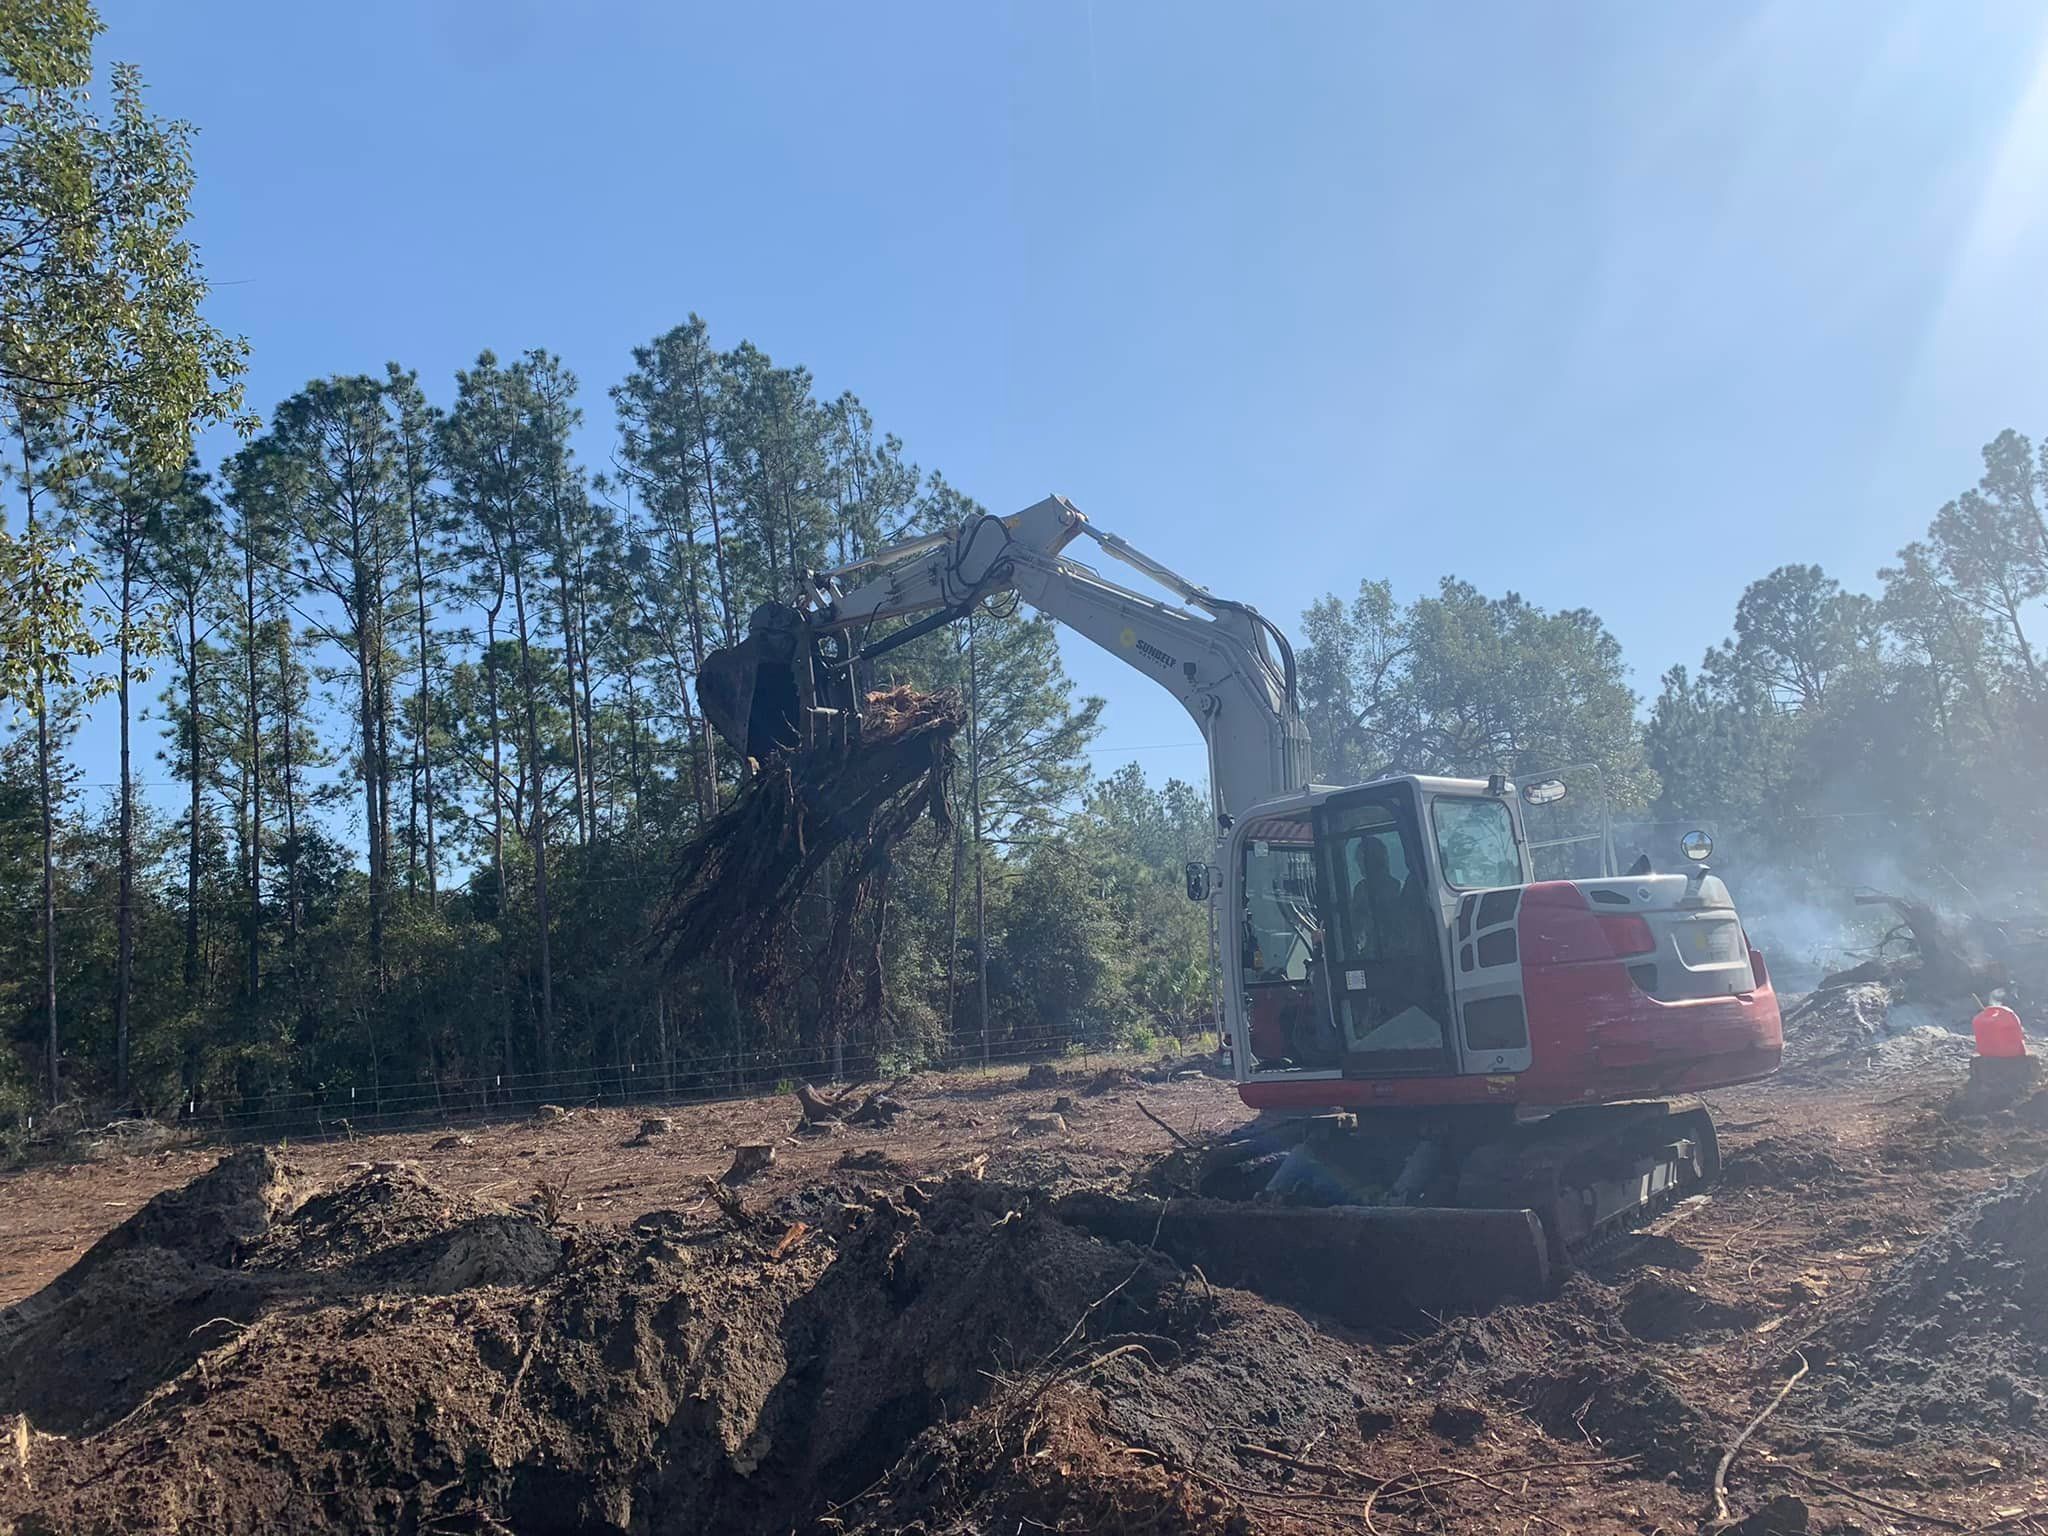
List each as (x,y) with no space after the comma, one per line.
(1475,843)
(1279,907)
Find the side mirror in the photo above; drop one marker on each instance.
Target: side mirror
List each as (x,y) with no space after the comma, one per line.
(1198,881)
(1696,846)
(1544,792)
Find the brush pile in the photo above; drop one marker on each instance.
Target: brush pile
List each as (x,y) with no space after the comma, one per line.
(738,883)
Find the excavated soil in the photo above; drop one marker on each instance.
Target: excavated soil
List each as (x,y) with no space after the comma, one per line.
(1952,1344)
(894,1330)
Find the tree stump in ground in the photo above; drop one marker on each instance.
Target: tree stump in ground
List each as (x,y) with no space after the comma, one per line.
(748,1159)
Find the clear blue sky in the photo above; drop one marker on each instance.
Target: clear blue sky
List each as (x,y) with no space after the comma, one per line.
(1617,305)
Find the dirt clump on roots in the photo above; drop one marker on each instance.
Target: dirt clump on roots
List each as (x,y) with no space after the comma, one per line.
(1953,1341)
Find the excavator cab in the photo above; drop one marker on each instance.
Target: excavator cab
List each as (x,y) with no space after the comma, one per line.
(1347,903)
(1398,950)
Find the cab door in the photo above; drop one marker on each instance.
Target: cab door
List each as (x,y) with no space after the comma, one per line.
(1383,934)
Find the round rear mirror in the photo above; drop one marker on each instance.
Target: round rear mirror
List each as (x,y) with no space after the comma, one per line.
(1544,792)
(1697,846)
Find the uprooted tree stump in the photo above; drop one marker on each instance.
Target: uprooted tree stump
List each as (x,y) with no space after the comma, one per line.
(850,1107)
(735,892)
(1957,956)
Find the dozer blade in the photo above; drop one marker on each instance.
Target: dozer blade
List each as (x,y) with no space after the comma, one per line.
(749,691)
(1359,1264)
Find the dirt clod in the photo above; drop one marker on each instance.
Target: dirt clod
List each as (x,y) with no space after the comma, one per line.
(1460,1422)
(1784,1515)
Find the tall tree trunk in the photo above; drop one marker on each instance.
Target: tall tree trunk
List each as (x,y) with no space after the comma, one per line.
(700,729)
(383,686)
(980,883)
(540,819)
(124,917)
(48,819)
(372,813)
(287,767)
(497,756)
(711,502)
(196,767)
(2019,634)
(255,773)
(953,882)
(49,831)
(589,703)
(423,742)
(633,758)
(560,561)
(576,804)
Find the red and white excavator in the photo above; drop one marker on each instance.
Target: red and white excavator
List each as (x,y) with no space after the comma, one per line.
(1465,1075)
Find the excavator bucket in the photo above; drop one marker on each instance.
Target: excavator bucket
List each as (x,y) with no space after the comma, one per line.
(1361,1265)
(749,691)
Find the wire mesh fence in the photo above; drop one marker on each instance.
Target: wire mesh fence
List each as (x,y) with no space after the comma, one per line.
(361,1107)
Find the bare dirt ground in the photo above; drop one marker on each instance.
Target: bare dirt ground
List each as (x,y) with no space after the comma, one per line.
(893,1331)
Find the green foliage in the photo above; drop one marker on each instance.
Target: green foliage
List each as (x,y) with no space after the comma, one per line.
(47,628)
(1840,738)
(1461,683)
(99,291)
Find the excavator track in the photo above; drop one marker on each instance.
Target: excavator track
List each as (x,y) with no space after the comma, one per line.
(1530,1203)
(1591,1175)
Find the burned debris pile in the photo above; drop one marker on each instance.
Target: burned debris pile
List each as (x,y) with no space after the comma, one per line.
(1934,954)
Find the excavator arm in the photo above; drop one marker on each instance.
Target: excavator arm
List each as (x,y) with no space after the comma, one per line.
(1232,670)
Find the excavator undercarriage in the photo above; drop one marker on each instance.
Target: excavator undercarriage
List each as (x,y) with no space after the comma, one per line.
(1379,1224)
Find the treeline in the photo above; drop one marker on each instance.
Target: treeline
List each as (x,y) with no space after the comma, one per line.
(425,685)
(1835,737)
(1890,736)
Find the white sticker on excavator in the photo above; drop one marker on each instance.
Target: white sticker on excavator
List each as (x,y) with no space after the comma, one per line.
(1354,981)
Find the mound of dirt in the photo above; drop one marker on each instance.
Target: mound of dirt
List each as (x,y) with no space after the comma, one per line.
(90,1345)
(1954,1340)
(1575,1366)
(1112,1080)
(197,1266)
(378,1362)
(1792,1160)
